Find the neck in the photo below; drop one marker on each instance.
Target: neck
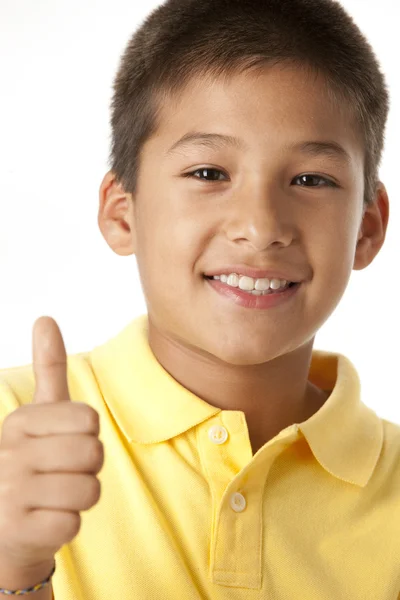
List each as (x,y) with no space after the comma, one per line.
(272,395)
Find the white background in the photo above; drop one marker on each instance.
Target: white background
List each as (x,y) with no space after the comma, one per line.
(57,62)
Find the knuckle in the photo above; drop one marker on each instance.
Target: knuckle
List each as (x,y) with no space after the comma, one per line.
(92,417)
(71,525)
(96,453)
(67,524)
(75,522)
(6,420)
(93,491)
(14,418)
(6,458)
(12,497)
(10,475)
(18,420)
(7,524)
(8,490)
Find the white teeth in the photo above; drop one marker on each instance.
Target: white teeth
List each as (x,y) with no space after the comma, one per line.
(254,286)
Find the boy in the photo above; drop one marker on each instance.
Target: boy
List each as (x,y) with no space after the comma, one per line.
(239,463)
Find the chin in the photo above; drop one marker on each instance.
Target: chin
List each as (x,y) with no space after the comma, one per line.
(242,356)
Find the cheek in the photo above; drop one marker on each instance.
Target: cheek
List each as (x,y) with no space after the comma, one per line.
(178,240)
(334,239)
(169,252)
(332,260)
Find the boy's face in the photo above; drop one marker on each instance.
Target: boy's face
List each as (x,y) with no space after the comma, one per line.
(256,209)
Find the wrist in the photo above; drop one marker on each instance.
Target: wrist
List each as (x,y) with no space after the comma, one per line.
(13,577)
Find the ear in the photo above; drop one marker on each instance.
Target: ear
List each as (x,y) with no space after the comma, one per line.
(372,233)
(116,217)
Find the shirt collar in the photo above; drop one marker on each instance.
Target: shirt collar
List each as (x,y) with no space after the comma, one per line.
(150,406)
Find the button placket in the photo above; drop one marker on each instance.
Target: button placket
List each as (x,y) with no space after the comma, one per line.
(234,525)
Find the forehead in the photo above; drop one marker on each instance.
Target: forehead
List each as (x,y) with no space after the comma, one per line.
(276,105)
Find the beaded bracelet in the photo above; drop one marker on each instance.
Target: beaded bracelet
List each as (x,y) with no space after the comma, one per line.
(35,588)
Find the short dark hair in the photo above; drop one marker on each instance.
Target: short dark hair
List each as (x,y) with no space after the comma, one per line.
(182,39)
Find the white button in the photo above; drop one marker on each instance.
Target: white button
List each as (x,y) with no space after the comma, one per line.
(218,434)
(238,502)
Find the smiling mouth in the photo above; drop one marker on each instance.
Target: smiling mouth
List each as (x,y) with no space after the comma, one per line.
(253,299)
(267,292)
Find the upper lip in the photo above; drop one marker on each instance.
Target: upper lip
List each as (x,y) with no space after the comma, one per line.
(252,272)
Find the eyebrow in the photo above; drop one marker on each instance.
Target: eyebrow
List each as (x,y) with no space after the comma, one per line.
(215,141)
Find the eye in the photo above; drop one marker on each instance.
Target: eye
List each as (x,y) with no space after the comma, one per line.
(327,182)
(202,171)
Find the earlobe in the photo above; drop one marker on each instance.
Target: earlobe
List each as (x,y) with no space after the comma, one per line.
(373,229)
(363,253)
(116,216)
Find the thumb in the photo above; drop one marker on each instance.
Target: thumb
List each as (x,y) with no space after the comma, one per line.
(49,362)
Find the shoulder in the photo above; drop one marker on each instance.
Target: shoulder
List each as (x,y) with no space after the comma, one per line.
(389,459)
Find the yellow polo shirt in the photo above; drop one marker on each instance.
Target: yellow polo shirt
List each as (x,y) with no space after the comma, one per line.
(186,510)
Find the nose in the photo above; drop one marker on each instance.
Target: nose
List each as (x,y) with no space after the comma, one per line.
(260,216)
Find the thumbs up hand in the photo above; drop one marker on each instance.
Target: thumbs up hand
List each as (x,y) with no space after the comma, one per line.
(50,454)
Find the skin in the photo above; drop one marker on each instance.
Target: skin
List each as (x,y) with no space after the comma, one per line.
(255,211)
